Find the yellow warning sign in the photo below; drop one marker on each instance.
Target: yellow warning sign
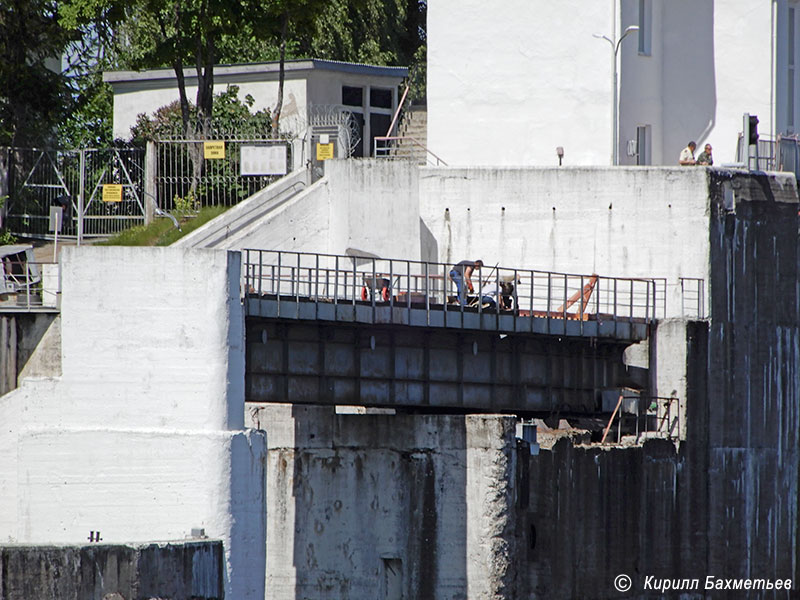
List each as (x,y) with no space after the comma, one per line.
(112,192)
(213,149)
(324,151)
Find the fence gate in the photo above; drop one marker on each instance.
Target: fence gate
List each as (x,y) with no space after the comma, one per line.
(101,190)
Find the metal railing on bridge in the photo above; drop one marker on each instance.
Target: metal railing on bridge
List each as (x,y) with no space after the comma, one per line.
(406,284)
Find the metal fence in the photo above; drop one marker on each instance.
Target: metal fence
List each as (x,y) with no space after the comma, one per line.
(644,417)
(406,283)
(405,148)
(38,179)
(189,176)
(183,174)
(780,154)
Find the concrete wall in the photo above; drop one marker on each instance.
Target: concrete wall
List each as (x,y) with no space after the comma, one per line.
(142,436)
(531,78)
(374,208)
(534,77)
(30,344)
(363,206)
(632,222)
(754,370)
(387,506)
(178,570)
(726,503)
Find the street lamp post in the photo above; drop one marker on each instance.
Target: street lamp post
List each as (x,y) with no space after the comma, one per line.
(614,108)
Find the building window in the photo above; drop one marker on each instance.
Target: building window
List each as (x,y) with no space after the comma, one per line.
(380,98)
(352,96)
(645,26)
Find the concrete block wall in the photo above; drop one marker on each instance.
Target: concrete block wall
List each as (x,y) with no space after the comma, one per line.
(178,570)
(392,506)
(142,437)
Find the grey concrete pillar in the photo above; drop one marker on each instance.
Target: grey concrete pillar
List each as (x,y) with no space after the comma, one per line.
(150,172)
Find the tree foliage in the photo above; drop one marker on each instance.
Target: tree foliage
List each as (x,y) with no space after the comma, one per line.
(230,114)
(34,94)
(39,99)
(382,32)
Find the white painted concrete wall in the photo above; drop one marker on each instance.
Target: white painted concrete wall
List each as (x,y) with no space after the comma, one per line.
(623,222)
(508,84)
(374,207)
(533,77)
(142,436)
(369,206)
(137,98)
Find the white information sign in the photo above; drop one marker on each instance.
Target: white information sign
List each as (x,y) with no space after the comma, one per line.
(263,160)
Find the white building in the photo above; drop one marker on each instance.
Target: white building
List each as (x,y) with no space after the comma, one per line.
(534,77)
(367,91)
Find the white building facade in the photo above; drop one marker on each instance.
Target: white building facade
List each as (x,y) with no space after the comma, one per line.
(535,76)
(369,92)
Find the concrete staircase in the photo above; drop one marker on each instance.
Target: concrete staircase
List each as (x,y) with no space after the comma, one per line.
(414,128)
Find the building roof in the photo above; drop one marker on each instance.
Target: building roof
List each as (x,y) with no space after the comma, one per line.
(251,69)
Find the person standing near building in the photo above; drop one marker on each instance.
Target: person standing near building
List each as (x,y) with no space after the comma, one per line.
(705,157)
(461,273)
(687,155)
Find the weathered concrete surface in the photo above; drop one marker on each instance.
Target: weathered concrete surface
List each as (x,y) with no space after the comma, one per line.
(754,373)
(588,514)
(363,506)
(625,222)
(141,437)
(30,345)
(726,503)
(175,570)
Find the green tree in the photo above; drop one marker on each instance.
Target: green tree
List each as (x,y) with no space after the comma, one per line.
(383,32)
(34,94)
(230,114)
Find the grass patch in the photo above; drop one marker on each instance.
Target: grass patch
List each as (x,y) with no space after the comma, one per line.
(162,232)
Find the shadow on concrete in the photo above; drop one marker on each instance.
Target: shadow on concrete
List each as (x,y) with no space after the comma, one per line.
(689,76)
(380,505)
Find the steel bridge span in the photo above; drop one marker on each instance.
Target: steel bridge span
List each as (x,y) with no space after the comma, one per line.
(323,329)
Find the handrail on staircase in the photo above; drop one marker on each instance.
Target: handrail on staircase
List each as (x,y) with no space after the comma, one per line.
(382,152)
(397,111)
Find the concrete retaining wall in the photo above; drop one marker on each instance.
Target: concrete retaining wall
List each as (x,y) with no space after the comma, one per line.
(178,570)
(626,222)
(726,504)
(388,506)
(141,437)
(30,346)
(754,373)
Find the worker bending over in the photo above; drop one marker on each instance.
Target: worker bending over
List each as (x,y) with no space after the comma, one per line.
(461,274)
